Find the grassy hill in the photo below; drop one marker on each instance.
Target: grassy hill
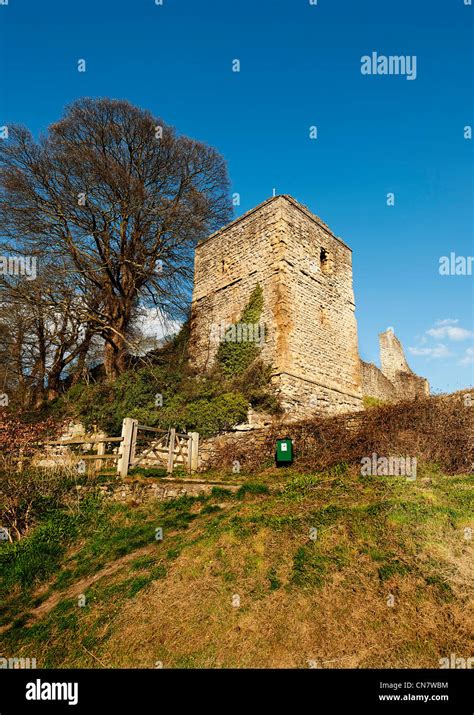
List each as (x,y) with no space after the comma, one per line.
(294,570)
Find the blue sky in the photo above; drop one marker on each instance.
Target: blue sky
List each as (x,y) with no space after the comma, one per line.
(300,67)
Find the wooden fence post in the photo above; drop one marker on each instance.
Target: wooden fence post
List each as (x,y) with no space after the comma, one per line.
(171,450)
(127,446)
(133,443)
(194,457)
(190,447)
(100,452)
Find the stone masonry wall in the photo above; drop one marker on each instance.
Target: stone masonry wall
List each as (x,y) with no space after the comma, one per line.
(137,492)
(375,384)
(227,267)
(322,369)
(409,386)
(396,369)
(392,357)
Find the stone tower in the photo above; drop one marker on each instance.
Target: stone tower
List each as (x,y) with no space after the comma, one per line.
(305,272)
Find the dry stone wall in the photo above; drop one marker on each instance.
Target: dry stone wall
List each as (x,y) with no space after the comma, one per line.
(138,492)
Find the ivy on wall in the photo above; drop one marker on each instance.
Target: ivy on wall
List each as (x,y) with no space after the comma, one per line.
(234,354)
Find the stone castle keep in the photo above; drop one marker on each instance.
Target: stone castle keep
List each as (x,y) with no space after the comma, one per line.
(305,273)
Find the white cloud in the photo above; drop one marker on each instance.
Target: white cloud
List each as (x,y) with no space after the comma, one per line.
(468,357)
(438,342)
(447,321)
(450,332)
(154,324)
(433,353)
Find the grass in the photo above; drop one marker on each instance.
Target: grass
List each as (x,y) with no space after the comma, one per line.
(309,567)
(252,488)
(392,568)
(310,556)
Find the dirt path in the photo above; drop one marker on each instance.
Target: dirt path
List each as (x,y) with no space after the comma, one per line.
(79,586)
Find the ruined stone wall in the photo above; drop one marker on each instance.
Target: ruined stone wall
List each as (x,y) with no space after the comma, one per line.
(396,369)
(396,380)
(375,384)
(392,357)
(409,386)
(143,490)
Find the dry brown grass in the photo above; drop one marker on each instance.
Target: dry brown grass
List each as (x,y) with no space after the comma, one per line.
(345,624)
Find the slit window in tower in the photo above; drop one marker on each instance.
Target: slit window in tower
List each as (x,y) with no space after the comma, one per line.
(324,260)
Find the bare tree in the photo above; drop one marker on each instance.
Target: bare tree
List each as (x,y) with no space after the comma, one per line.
(117,195)
(46,330)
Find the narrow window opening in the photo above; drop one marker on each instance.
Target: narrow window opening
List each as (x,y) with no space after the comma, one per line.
(324,260)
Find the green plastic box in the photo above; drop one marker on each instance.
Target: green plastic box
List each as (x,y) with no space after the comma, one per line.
(284,451)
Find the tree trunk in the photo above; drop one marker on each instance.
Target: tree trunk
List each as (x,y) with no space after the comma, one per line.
(115,356)
(53,385)
(81,359)
(115,352)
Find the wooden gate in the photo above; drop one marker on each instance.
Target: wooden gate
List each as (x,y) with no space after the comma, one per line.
(149,446)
